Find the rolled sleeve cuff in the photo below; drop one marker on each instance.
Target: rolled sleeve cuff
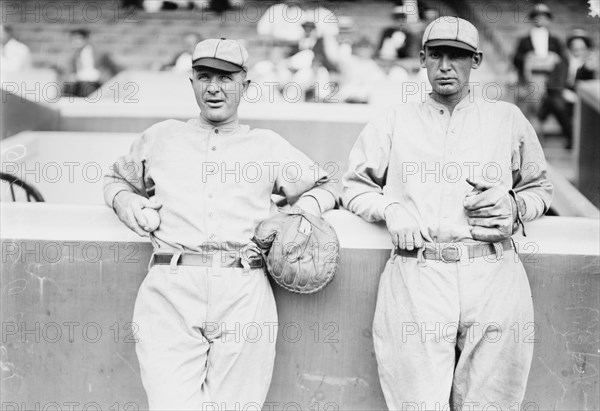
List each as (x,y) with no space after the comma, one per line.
(325,198)
(372,205)
(534,206)
(111,190)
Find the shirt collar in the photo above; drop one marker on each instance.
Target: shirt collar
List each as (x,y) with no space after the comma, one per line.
(230,126)
(466,101)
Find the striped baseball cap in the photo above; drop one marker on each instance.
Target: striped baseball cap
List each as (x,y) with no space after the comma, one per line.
(451,32)
(221,54)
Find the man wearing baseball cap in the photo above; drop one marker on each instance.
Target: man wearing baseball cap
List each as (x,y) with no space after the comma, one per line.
(453,177)
(205,315)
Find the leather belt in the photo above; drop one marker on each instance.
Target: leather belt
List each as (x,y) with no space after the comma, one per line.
(204,260)
(452,252)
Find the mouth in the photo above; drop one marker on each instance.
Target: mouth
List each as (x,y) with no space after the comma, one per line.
(446,80)
(214,103)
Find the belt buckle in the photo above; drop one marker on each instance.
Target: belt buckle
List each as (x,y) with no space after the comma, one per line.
(453,249)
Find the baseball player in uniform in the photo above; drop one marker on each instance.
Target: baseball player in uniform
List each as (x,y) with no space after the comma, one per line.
(453,177)
(205,313)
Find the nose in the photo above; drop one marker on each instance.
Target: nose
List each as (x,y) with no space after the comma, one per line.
(212,87)
(445,63)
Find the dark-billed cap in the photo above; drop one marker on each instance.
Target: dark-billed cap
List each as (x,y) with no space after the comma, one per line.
(451,32)
(221,54)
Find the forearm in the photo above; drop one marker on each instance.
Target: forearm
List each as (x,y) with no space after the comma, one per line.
(370,205)
(533,203)
(319,198)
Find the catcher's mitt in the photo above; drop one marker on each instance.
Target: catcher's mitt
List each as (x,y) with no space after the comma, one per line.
(301,250)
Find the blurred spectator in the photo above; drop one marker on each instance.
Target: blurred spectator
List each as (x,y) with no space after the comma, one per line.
(282,22)
(182,62)
(395,40)
(318,58)
(539,50)
(583,62)
(275,69)
(85,73)
(325,20)
(537,56)
(560,97)
(152,6)
(360,74)
(15,55)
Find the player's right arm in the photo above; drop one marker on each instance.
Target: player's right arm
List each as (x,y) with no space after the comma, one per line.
(363,184)
(126,187)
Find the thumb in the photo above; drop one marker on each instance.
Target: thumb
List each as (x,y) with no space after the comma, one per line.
(479,184)
(152,203)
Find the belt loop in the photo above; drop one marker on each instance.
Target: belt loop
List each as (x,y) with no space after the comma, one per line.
(174,261)
(465,258)
(499,251)
(151,262)
(421,262)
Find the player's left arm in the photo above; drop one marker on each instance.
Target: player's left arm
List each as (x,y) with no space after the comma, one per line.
(531,189)
(495,211)
(304,182)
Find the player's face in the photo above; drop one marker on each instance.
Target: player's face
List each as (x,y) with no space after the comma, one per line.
(218,93)
(449,69)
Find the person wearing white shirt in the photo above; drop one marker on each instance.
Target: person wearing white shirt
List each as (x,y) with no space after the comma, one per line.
(15,55)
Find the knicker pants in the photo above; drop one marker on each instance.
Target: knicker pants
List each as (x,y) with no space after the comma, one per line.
(206,337)
(479,310)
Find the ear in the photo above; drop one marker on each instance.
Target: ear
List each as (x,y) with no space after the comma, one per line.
(476,60)
(245,85)
(422,58)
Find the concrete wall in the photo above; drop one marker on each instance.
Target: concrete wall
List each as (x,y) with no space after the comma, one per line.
(18,114)
(75,270)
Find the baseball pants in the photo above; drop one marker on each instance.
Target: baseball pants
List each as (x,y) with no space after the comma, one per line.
(452,336)
(205,337)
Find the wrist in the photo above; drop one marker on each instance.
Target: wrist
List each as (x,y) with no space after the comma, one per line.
(390,209)
(118,198)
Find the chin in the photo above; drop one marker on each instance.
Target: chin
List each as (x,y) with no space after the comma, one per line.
(214,115)
(446,91)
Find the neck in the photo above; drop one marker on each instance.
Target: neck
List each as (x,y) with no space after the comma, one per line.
(230,123)
(451,101)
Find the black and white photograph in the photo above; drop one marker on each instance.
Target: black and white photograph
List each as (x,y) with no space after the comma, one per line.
(286,205)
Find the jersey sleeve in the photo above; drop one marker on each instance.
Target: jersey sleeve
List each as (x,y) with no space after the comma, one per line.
(531,186)
(367,170)
(130,171)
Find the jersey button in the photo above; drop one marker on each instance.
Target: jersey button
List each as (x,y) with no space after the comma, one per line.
(441,111)
(216,131)
(212,236)
(214,148)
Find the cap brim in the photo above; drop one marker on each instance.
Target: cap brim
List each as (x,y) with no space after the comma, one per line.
(217,65)
(451,43)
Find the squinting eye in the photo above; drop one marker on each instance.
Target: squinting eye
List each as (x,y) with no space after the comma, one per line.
(225,78)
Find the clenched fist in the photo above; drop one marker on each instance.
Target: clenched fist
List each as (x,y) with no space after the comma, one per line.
(491,211)
(403,227)
(128,207)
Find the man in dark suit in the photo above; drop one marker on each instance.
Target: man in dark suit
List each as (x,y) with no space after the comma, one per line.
(538,55)
(538,51)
